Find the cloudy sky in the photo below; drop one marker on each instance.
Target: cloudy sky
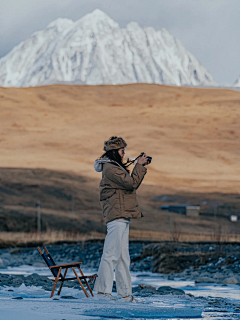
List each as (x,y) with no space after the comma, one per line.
(210,29)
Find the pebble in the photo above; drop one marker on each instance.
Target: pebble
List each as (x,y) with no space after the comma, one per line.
(204,280)
(231,281)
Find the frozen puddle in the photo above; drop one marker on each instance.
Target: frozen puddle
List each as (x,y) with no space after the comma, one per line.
(144,312)
(36,304)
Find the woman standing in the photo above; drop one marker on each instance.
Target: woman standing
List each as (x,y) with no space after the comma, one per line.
(119,205)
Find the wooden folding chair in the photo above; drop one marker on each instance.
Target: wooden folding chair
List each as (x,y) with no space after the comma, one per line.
(56,271)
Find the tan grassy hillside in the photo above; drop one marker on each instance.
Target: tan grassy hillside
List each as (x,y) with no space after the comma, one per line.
(50,137)
(192,134)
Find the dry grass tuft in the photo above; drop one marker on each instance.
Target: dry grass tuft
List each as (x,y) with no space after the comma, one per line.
(23,238)
(12,239)
(184,237)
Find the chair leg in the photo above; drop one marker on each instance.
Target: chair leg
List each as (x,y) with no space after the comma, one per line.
(60,288)
(56,281)
(86,281)
(80,282)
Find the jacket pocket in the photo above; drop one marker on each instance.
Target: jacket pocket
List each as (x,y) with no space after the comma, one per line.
(109,204)
(106,194)
(130,201)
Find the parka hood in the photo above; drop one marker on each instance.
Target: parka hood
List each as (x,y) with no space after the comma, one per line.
(98,165)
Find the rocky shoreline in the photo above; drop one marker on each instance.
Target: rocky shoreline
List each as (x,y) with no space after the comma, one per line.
(202,263)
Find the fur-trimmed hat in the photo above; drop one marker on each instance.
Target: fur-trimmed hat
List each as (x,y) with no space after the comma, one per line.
(114,143)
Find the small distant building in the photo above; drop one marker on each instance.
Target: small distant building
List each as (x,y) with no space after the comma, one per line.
(233,218)
(187,210)
(192,211)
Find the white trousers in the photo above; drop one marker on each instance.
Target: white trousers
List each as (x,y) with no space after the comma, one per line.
(115,257)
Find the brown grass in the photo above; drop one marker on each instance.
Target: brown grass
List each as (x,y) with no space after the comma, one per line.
(192,134)
(11,239)
(184,237)
(22,238)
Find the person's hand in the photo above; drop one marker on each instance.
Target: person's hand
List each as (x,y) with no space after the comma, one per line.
(143,160)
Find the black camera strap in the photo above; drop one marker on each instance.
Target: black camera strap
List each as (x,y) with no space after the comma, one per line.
(129,162)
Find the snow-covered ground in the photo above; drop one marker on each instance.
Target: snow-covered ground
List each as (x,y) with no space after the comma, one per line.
(33,303)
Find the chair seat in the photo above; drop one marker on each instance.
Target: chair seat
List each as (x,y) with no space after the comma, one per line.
(67,265)
(75,278)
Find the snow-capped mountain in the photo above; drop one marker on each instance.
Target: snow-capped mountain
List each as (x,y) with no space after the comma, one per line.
(95,50)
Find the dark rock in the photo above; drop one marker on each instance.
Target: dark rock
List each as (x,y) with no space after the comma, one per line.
(144,286)
(3,283)
(204,280)
(171,263)
(3,276)
(2,265)
(231,280)
(34,276)
(15,250)
(47,288)
(144,290)
(169,290)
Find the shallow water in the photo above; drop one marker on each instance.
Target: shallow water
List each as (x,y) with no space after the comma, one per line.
(209,301)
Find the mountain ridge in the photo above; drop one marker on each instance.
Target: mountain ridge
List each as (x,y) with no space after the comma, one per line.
(95,50)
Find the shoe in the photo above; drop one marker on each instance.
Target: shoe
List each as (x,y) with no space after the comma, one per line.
(106,295)
(130,299)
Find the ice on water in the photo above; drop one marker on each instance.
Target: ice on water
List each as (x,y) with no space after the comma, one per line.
(36,303)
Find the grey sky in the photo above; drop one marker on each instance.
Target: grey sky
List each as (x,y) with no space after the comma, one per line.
(210,29)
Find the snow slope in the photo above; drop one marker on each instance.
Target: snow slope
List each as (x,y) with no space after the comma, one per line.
(95,50)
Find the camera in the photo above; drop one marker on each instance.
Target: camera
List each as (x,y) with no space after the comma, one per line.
(129,162)
(148,157)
